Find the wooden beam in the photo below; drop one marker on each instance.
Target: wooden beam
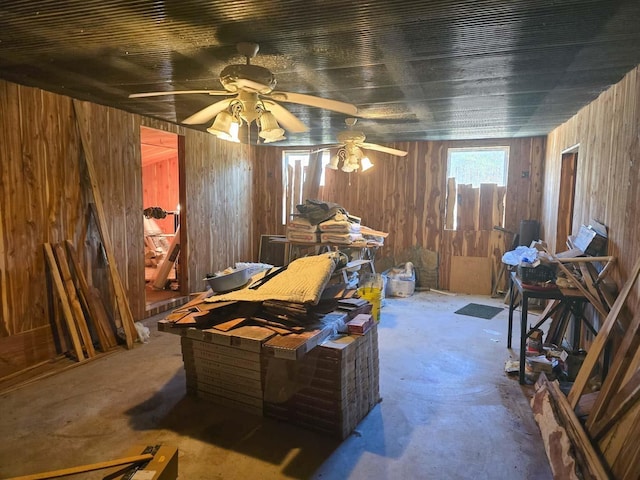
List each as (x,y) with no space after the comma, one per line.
(86,468)
(555,438)
(64,301)
(619,369)
(601,339)
(588,457)
(623,401)
(72,295)
(450,203)
(101,221)
(100,321)
(597,304)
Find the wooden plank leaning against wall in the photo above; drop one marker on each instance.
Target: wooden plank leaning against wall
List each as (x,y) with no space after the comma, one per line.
(406,197)
(43,200)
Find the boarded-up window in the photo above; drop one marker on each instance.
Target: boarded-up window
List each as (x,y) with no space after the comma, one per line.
(476,187)
(295,165)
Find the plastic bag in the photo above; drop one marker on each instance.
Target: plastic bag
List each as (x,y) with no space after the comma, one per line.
(519,255)
(144,334)
(401,280)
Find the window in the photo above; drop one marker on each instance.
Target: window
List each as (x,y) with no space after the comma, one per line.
(476,187)
(295,164)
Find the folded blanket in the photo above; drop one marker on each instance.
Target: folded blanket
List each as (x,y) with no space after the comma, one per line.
(302,224)
(343,238)
(339,226)
(302,282)
(304,237)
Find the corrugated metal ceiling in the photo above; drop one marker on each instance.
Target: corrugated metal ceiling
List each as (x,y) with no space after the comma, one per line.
(416,70)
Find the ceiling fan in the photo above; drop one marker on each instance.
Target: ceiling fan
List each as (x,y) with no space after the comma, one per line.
(350,149)
(252,98)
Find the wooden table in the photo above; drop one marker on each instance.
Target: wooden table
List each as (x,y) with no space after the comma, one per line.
(567,302)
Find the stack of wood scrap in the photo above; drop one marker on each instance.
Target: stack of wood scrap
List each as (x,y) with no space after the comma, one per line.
(84,318)
(595,429)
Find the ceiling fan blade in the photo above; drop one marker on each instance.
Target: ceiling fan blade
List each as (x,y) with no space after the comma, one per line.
(252,86)
(207,113)
(178,92)
(319,102)
(380,148)
(328,147)
(287,120)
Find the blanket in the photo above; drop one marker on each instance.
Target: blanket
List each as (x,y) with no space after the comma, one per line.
(302,282)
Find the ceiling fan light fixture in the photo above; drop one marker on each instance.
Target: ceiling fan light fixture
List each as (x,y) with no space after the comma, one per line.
(269,128)
(222,125)
(234,130)
(333,163)
(271,140)
(366,164)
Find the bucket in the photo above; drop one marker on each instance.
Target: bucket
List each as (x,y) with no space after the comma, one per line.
(374,296)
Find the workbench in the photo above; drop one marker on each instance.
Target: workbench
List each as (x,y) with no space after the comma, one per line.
(567,302)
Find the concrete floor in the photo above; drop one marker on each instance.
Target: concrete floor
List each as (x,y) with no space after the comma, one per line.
(448,411)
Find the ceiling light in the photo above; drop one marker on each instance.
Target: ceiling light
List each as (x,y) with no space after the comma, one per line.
(228,122)
(352,159)
(221,126)
(269,128)
(366,163)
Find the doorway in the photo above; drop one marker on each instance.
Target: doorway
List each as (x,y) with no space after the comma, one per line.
(164,279)
(566,196)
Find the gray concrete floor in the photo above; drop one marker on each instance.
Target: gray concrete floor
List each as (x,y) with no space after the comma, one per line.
(448,411)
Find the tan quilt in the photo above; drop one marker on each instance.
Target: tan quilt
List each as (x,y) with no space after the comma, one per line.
(302,282)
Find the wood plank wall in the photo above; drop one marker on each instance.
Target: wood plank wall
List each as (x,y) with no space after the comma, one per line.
(43,198)
(608,171)
(405,197)
(607,132)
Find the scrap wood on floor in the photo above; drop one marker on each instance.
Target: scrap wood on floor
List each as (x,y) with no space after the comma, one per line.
(606,438)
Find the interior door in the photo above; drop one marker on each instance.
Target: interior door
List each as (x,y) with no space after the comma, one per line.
(566,198)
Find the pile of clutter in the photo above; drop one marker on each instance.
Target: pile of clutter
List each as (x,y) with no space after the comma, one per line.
(555,362)
(325,222)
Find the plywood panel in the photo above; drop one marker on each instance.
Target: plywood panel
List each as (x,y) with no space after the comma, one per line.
(471,275)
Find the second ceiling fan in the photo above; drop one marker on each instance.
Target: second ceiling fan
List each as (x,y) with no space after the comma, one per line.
(252,98)
(352,142)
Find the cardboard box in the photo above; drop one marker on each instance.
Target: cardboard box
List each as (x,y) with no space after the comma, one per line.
(590,240)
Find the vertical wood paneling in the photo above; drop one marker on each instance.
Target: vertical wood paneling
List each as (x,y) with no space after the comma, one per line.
(406,198)
(607,176)
(43,198)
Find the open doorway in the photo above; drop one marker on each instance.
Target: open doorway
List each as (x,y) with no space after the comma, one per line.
(566,196)
(164,282)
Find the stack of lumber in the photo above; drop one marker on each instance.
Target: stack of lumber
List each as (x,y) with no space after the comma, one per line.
(84,315)
(335,386)
(600,425)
